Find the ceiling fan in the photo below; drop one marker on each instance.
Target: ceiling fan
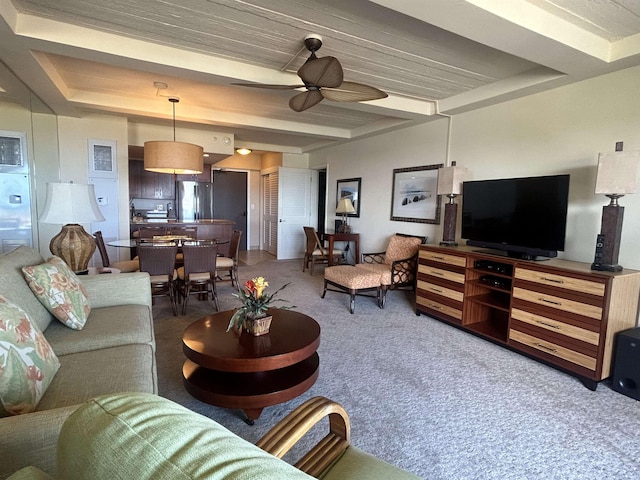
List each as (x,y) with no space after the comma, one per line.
(322,78)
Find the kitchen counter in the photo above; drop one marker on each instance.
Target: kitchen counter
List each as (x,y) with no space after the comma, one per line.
(212,228)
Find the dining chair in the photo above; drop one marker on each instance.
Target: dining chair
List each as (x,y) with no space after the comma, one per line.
(159,262)
(230,264)
(125,266)
(316,252)
(199,270)
(183,231)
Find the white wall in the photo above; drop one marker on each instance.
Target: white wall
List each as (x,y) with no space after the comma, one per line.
(560,131)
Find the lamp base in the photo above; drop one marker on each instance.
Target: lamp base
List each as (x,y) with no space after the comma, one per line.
(75,246)
(449,224)
(606,268)
(608,242)
(448,244)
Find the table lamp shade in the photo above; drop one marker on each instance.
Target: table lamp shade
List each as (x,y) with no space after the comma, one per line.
(450,180)
(345,206)
(70,204)
(617,173)
(173,157)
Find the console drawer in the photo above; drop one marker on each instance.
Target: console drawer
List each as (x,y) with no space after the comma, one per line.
(455,260)
(556,326)
(561,281)
(559,303)
(553,349)
(439,307)
(441,273)
(440,290)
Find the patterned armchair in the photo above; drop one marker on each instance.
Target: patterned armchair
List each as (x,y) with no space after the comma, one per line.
(397,265)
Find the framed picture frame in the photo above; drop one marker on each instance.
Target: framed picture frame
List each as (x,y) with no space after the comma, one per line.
(349,187)
(414,197)
(103,158)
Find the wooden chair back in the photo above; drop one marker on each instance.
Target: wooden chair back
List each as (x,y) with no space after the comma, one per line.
(102,249)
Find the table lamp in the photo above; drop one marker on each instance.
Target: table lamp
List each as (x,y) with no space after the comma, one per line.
(617,176)
(450,184)
(66,203)
(345,207)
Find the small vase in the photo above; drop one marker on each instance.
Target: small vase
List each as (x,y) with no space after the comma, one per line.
(257,326)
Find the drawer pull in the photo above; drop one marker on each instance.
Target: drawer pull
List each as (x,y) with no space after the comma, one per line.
(437,257)
(437,290)
(436,273)
(544,347)
(549,301)
(435,307)
(554,280)
(548,325)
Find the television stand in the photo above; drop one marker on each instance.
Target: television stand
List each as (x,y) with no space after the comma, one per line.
(512,254)
(558,312)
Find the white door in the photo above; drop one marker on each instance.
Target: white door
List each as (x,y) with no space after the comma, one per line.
(270,212)
(297,189)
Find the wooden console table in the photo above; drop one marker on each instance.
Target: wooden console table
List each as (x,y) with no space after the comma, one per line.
(343,237)
(247,372)
(557,311)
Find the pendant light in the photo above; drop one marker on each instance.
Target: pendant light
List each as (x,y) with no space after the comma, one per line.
(173,157)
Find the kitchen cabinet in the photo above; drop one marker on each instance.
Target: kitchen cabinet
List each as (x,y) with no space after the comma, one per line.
(152,185)
(557,311)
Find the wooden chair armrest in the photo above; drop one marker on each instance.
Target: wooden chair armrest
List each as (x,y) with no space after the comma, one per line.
(375,257)
(284,435)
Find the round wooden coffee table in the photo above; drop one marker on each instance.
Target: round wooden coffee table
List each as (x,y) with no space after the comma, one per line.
(247,372)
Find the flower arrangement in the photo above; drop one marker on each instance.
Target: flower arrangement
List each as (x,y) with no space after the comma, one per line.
(255,301)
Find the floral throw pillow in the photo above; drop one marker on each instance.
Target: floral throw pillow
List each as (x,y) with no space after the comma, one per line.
(60,291)
(27,362)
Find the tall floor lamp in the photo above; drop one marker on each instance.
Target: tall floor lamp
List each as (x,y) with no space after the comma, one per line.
(450,184)
(67,203)
(617,176)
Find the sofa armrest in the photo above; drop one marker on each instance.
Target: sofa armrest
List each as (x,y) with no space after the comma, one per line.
(31,439)
(403,272)
(109,290)
(284,435)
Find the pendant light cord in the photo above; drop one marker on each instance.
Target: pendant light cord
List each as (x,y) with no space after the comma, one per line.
(173,101)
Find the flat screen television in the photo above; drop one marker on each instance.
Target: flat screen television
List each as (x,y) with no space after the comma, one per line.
(519,217)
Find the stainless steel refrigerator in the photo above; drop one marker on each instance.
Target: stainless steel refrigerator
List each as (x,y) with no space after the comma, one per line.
(15,211)
(194,200)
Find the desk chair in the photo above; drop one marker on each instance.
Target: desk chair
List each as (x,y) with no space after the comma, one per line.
(316,252)
(199,270)
(160,262)
(125,266)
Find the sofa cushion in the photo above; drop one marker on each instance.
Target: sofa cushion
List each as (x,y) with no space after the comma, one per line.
(355,464)
(128,368)
(106,327)
(30,473)
(27,361)
(60,291)
(149,437)
(14,287)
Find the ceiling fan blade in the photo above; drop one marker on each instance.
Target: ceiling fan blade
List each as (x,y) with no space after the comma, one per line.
(353,92)
(321,72)
(305,100)
(267,85)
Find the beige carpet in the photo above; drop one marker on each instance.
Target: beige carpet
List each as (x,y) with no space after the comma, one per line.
(428,397)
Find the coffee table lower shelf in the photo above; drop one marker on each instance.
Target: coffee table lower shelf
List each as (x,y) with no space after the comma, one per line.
(250,391)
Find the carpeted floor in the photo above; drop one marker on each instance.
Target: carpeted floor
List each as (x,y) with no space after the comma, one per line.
(428,397)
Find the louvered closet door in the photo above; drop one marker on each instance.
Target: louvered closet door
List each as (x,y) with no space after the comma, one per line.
(270,213)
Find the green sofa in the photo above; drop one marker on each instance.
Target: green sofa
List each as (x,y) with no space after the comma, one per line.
(114,352)
(147,437)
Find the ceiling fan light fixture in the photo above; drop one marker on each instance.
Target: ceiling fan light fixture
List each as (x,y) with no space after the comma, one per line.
(243,151)
(178,158)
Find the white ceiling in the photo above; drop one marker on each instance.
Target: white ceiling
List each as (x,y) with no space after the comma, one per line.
(430,56)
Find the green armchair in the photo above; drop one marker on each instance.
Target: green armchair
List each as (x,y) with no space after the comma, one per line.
(144,436)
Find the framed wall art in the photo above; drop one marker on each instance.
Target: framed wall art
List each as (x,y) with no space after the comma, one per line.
(350,187)
(414,197)
(103,159)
